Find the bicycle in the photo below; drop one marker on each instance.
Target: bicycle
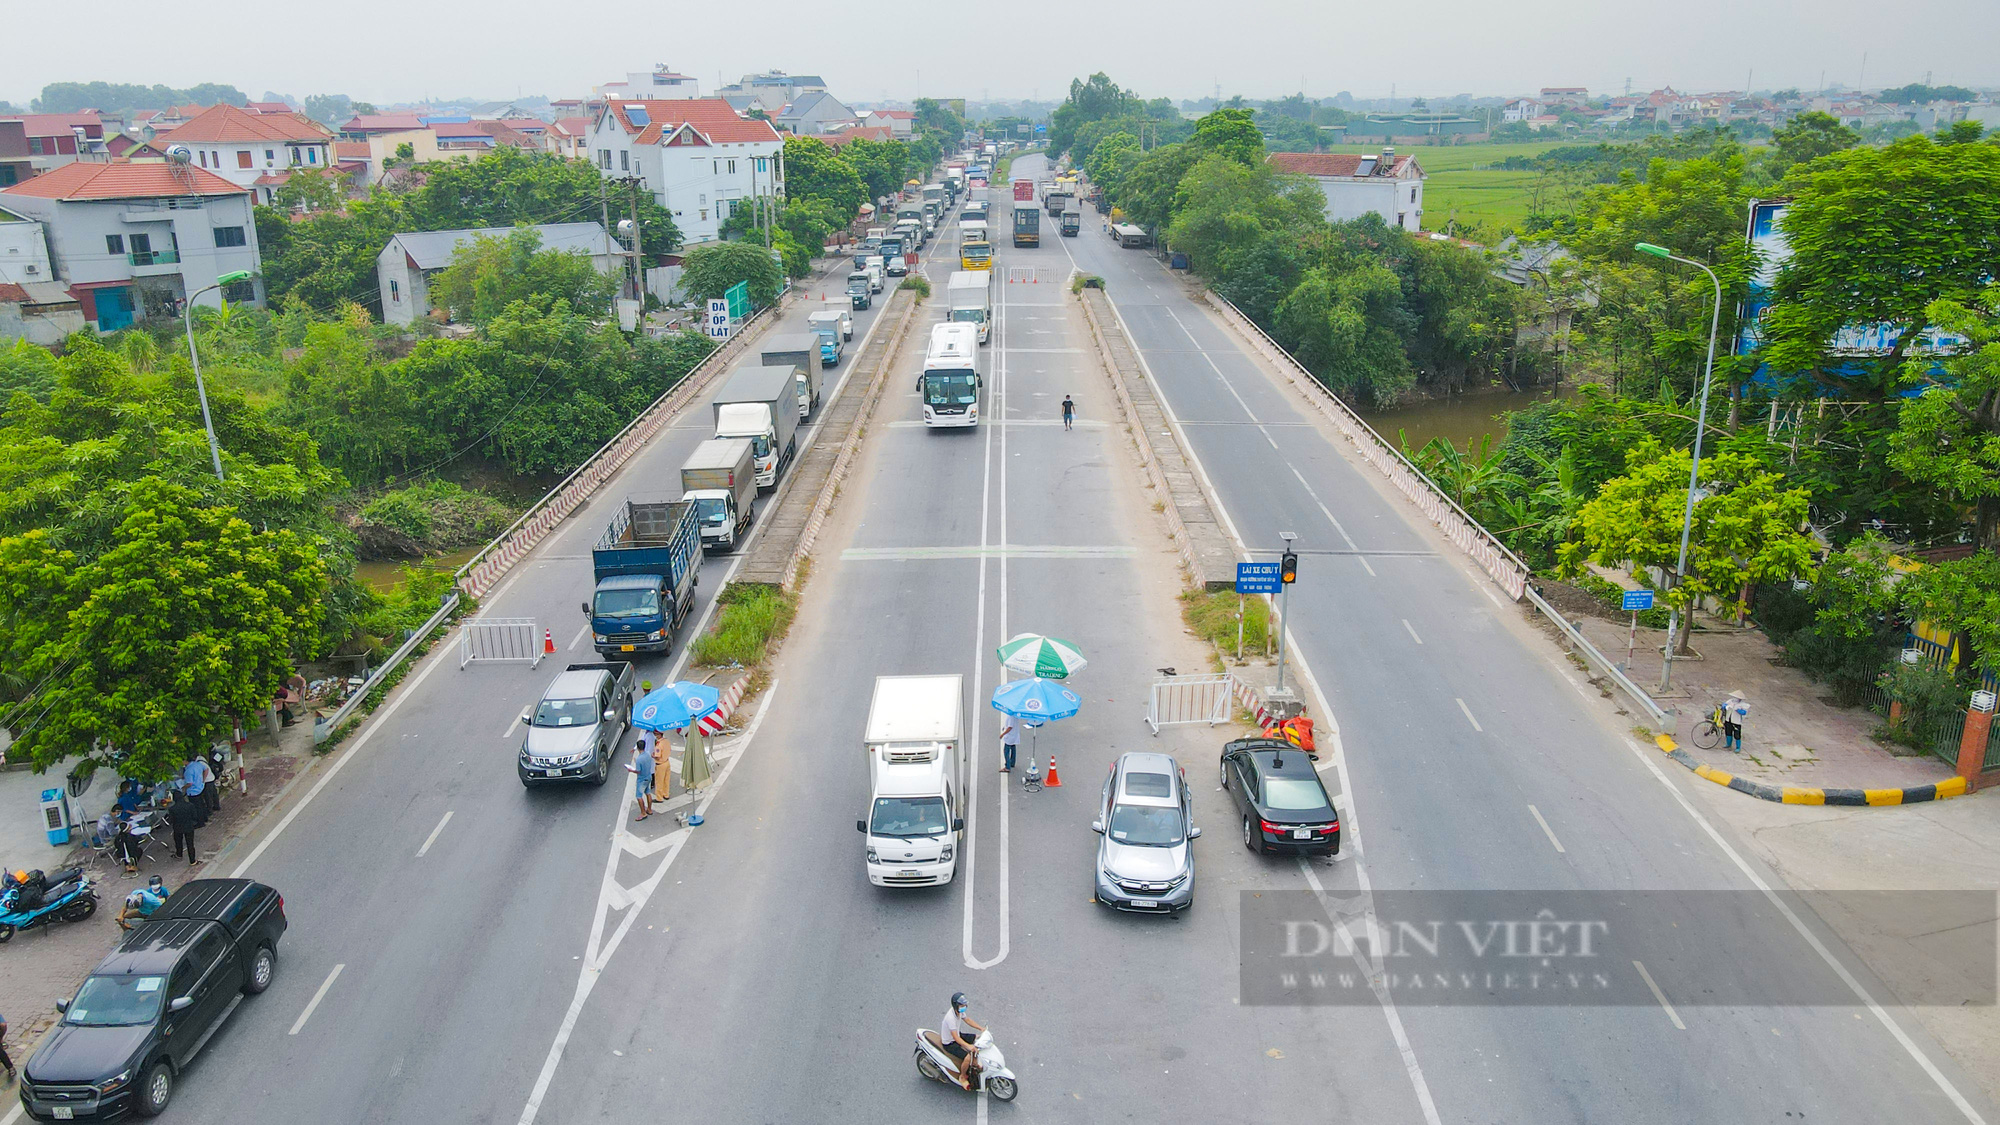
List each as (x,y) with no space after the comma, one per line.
(1708,732)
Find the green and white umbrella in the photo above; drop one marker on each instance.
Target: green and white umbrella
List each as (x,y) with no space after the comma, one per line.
(1035,655)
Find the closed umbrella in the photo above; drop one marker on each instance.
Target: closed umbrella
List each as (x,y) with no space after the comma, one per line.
(695,770)
(1036,655)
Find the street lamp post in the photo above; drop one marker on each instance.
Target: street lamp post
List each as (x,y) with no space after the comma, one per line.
(194,357)
(1694,472)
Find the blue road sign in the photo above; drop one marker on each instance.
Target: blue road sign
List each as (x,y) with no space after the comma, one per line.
(1258,578)
(1637,600)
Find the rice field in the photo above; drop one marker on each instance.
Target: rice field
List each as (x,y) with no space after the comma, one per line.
(1461,184)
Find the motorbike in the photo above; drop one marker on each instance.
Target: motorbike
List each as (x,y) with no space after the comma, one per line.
(66,898)
(990,1076)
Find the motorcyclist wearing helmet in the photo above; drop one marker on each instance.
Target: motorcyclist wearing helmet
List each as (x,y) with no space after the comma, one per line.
(957,1032)
(141,903)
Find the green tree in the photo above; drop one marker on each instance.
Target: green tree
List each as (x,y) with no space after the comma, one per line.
(1948,438)
(1109,159)
(1092,99)
(709,271)
(333,110)
(309,190)
(813,170)
(1962,597)
(1806,138)
(1746,530)
(1464,314)
(1347,327)
(492,273)
(880,164)
(1230,133)
(143,655)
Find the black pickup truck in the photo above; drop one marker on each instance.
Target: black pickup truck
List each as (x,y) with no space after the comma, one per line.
(149,1007)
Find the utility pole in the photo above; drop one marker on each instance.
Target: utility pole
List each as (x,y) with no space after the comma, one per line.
(604,208)
(638,269)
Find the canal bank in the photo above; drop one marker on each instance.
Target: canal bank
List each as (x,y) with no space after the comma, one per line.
(1461,420)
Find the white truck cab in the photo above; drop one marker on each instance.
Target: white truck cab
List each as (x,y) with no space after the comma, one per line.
(916,814)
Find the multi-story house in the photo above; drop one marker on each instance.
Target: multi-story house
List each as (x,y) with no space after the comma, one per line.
(697,156)
(132,241)
(56,139)
(1389,185)
(255,151)
(662,83)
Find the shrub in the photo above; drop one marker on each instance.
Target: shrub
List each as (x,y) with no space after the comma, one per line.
(429,518)
(1212,616)
(751,620)
(918,284)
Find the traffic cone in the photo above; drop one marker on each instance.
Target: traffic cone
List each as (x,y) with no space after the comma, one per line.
(1052,781)
(548,642)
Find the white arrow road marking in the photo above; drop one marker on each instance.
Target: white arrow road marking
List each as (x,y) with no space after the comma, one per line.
(614,896)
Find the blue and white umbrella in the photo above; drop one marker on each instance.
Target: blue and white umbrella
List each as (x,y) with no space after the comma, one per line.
(675,705)
(1036,700)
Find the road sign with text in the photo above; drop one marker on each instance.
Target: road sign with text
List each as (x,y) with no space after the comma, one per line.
(1258,577)
(1637,601)
(716,324)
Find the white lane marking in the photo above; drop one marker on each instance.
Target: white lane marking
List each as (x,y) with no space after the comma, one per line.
(1413,631)
(317,997)
(1660,996)
(613,896)
(513,727)
(580,634)
(435,833)
(1002,318)
(1469,718)
(1861,992)
(1550,832)
(438,658)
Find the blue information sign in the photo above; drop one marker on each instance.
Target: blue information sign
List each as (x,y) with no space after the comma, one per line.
(1637,600)
(1258,578)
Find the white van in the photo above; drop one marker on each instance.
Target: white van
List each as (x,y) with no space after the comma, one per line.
(916,815)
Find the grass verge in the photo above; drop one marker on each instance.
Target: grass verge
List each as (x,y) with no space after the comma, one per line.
(1212,616)
(752,619)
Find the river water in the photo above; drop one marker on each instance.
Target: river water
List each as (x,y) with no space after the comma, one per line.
(1461,419)
(387,574)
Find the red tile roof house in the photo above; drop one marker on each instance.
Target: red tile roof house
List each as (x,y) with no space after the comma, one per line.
(1390,184)
(133,241)
(698,157)
(56,139)
(251,149)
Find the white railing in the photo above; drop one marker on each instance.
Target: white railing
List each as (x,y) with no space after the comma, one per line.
(500,640)
(1181,700)
(323,728)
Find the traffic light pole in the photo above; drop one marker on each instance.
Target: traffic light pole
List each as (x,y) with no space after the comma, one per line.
(1281,700)
(1284,620)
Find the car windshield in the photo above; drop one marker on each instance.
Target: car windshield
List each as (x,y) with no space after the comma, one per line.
(116,1001)
(950,388)
(566,712)
(639,602)
(1152,826)
(908,816)
(711,509)
(1293,793)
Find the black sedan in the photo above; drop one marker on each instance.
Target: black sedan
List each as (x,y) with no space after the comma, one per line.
(1285,806)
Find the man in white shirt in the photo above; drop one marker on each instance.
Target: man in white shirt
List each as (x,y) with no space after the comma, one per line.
(957,1032)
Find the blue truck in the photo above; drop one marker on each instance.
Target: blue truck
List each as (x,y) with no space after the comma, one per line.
(645,568)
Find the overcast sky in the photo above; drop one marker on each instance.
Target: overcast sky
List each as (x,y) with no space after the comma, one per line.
(406,50)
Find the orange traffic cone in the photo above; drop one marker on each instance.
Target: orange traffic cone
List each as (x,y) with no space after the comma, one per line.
(548,642)
(1053,781)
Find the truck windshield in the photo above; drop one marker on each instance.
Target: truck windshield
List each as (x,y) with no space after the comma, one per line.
(644,602)
(116,1001)
(950,388)
(760,446)
(711,509)
(908,816)
(565,712)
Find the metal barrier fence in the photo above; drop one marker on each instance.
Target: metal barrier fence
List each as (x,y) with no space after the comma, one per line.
(323,728)
(1190,699)
(499,640)
(1600,662)
(1485,548)
(480,572)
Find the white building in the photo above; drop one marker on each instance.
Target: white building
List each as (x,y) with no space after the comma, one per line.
(133,240)
(24,252)
(1522,109)
(256,151)
(662,83)
(1389,185)
(406,265)
(698,157)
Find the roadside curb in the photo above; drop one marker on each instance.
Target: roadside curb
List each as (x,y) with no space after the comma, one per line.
(1800,795)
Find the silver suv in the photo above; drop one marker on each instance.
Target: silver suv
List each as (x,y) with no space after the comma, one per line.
(575,730)
(1145,862)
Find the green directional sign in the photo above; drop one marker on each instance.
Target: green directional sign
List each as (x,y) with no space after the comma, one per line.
(738,296)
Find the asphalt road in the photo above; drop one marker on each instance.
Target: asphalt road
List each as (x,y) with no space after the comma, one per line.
(1476,765)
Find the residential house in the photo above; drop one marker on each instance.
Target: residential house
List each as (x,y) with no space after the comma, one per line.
(812,113)
(16,162)
(1545,121)
(662,83)
(772,90)
(133,241)
(569,138)
(839,137)
(40,312)
(697,156)
(269,107)
(1572,97)
(56,139)
(1523,109)
(405,267)
(24,250)
(901,122)
(1390,185)
(258,151)
(362,126)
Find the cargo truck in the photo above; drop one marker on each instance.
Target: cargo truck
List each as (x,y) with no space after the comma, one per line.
(1024,191)
(720,480)
(761,404)
(1058,201)
(916,815)
(800,349)
(860,291)
(1027,225)
(826,326)
(645,569)
(969,295)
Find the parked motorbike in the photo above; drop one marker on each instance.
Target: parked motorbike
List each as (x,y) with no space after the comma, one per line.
(991,1075)
(38,900)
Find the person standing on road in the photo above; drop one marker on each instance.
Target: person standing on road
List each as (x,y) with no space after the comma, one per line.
(1069,411)
(1735,711)
(183,817)
(642,766)
(1010,742)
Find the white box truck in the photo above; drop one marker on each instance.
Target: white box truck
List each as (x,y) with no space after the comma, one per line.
(762,404)
(801,350)
(720,478)
(916,815)
(969,296)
